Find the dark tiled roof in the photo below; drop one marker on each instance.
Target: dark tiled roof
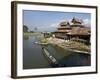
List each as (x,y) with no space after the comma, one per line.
(76,20)
(63,31)
(64,23)
(80,31)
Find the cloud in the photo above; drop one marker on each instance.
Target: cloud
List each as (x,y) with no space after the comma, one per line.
(54,25)
(87,22)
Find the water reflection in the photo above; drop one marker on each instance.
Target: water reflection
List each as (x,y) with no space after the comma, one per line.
(76,59)
(25,37)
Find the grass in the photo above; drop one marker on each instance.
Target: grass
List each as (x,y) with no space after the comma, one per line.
(77,46)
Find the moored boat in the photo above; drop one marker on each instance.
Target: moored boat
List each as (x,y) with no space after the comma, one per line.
(49,56)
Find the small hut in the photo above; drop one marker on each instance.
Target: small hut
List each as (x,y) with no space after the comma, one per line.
(64,27)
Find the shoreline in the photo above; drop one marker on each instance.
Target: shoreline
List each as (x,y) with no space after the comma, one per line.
(58,42)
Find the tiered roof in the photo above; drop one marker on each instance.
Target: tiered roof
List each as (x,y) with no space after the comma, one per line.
(76,20)
(64,27)
(64,23)
(80,31)
(76,28)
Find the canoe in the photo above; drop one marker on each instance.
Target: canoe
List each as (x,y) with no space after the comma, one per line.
(49,56)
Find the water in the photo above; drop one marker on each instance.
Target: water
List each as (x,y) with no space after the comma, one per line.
(33,56)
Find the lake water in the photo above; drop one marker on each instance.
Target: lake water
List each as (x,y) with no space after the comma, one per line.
(33,56)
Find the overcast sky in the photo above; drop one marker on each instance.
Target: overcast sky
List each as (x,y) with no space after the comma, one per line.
(49,20)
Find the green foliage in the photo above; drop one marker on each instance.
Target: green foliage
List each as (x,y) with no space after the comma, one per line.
(25,28)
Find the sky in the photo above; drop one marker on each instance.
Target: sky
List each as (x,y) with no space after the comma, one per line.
(48,21)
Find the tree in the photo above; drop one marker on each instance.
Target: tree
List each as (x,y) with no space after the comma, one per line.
(25,28)
(35,29)
(31,31)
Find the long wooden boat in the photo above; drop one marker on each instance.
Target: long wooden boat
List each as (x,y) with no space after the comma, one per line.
(49,56)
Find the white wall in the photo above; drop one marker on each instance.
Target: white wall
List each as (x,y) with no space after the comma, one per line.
(5,40)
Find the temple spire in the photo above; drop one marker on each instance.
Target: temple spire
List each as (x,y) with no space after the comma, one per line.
(76,21)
